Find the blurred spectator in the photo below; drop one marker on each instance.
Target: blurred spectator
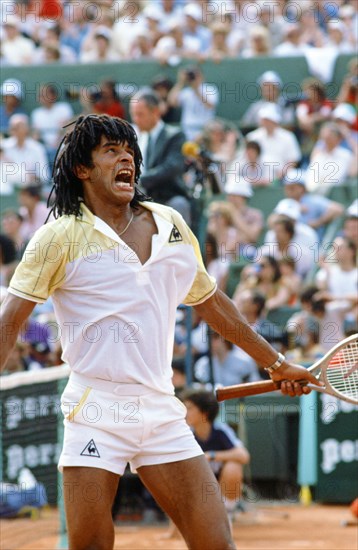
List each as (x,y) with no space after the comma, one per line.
(175,46)
(179,376)
(260,43)
(37,336)
(6,187)
(8,260)
(252,305)
(348,15)
(316,211)
(50,10)
(11,221)
(290,209)
(218,152)
(51,42)
(248,221)
(250,166)
(225,452)
(324,11)
(33,210)
(311,113)
(161,146)
(48,120)
(194,28)
(289,238)
(101,49)
(273,22)
(26,157)
(329,318)
(265,277)
(338,275)
(129,23)
(171,11)
(214,263)
(344,116)
(74,26)
(348,92)
(291,278)
(220,140)
(337,39)
(12,93)
(162,86)
(230,364)
(330,163)
(39,356)
(280,149)
(16,49)
(219,48)
(152,18)
(307,349)
(311,34)
(283,231)
(221,224)
(270,87)
(197,99)
(108,102)
(350,225)
(292,43)
(142,46)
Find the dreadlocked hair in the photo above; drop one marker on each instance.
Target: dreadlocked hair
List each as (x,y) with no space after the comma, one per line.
(76,149)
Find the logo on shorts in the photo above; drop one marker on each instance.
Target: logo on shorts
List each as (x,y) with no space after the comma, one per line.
(91,450)
(175,236)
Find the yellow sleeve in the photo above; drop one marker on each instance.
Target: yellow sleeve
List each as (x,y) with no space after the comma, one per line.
(42,268)
(204,285)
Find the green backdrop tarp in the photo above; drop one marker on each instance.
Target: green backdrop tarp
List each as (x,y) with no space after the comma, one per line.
(236,78)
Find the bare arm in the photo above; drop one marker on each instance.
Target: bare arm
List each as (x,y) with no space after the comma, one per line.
(223,316)
(14,312)
(333,211)
(173,96)
(236,454)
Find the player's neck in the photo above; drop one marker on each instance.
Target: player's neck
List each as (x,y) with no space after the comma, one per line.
(116,216)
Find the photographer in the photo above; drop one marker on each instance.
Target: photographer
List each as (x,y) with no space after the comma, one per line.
(197,99)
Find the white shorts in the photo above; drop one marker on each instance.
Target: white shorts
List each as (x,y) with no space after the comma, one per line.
(108,425)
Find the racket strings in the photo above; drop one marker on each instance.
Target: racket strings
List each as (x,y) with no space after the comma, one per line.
(342,371)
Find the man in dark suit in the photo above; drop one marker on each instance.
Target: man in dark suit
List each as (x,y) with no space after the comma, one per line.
(161,146)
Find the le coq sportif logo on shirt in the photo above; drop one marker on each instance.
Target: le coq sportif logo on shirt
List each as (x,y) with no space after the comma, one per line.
(175,235)
(91,450)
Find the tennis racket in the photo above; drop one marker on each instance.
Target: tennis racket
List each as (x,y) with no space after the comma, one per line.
(338,370)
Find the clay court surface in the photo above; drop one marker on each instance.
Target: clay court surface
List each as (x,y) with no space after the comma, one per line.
(273,528)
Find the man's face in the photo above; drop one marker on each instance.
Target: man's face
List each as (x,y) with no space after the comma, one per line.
(144,116)
(111,179)
(294,191)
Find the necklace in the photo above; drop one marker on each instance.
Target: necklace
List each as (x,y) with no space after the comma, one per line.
(126,227)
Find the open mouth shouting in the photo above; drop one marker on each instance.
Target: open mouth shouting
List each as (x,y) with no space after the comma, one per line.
(124,178)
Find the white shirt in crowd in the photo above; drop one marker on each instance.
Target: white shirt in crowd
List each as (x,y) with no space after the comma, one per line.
(23,165)
(328,168)
(50,121)
(278,150)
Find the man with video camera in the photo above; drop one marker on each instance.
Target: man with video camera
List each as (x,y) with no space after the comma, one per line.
(197,99)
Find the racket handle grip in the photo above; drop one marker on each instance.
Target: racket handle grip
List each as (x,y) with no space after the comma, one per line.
(244,390)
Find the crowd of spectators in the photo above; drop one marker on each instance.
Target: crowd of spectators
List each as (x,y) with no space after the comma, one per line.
(66,31)
(305,149)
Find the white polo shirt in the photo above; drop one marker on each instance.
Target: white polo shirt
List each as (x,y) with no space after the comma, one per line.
(116,316)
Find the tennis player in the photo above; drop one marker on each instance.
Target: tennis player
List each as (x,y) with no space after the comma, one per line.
(117,266)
